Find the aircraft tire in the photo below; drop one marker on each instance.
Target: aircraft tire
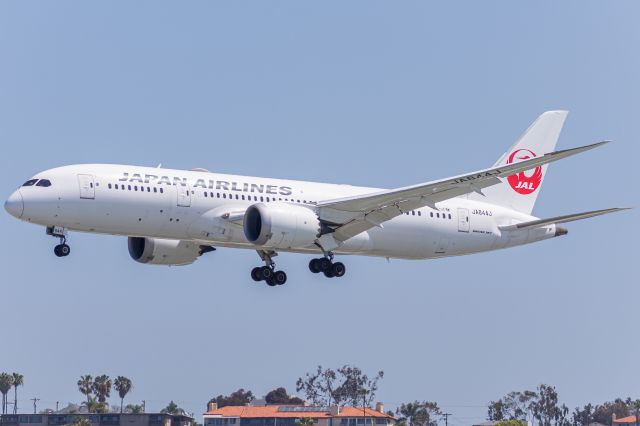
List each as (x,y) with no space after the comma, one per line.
(256,274)
(314,265)
(280,277)
(338,269)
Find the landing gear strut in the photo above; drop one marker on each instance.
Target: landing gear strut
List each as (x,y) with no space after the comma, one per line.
(327,266)
(62,249)
(268,272)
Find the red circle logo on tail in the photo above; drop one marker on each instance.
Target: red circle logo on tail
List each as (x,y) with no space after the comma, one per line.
(521,182)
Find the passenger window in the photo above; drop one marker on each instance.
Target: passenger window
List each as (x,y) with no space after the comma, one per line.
(267,199)
(224,195)
(135,188)
(419,213)
(438,215)
(236,196)
(30,182)
(129,186)
(155,189)
(117,186)
(148,189)
(431,214)
(413,213)
(261,198)
(109,186)
(205,194)
(161,190)
(449,215)
(44,182)
(243,196)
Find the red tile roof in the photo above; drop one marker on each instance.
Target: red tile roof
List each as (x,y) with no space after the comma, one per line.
(625,420)
(272,412)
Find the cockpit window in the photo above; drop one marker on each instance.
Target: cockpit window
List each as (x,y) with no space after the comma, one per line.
(30,182)
(44,182)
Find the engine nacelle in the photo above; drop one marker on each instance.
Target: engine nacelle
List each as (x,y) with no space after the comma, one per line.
(158,251)
(281,225)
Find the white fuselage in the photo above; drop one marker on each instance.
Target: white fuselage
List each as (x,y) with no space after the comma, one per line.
(200,206)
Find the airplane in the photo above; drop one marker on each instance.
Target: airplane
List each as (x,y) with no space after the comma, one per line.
(172,217)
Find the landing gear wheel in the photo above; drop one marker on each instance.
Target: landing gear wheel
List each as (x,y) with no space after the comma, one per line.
(271,282)
(266,273)
(324,263)
(329,273)
(338,269)
(314,266)
(279,277)
(62,250)
(256,274)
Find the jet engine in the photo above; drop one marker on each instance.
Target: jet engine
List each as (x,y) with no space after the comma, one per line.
(281,225)
(158,251)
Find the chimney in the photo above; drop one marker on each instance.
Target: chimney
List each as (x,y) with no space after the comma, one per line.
(212,406)
(613,418)
(334,410)
(380,407)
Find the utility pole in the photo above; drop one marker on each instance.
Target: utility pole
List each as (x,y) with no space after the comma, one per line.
(57,402)
(144,406)
(446,418)
(35,406)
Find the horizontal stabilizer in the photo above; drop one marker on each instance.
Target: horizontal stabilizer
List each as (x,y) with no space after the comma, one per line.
(558,219)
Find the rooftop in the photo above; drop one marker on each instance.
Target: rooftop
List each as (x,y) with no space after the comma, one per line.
(293,411)
(626,420)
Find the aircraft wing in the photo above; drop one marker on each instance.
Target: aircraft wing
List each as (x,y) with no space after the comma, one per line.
(558,219)
(353,215)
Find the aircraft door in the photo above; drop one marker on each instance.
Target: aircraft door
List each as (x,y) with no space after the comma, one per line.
(87,187)
(184,195)
(463,220)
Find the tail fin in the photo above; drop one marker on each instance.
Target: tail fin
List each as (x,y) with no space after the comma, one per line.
(520,191)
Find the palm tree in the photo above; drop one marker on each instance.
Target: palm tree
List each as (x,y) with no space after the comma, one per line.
(134,409)
(172,408)
(85,386)
(18,380)
(102,387)
(6,381)
(123,386)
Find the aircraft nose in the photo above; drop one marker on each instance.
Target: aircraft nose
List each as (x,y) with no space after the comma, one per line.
(14,204)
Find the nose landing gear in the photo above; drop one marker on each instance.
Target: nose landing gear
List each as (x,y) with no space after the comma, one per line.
(62,249)
(327,267)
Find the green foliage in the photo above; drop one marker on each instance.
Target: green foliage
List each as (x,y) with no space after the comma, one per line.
(239,397)
(511,423)
(85,385)
(102,387)
(134,409)
(280,396)
(81,421)
(123,386)
(346,385)
(418,413)
(6,382)
(305,421)
(172,408)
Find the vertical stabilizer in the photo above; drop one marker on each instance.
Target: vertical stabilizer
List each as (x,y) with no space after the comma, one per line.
(521,190)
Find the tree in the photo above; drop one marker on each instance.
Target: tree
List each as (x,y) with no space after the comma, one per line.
(280,396)
(172,408)
(584,416)
(123,386)
(603,413)
(134,409)
(85,386)
(81,421)
(305,421)
(511,423)
(102,388)
(418,413)
(347,384)
(18,380)
(6,382)
(94,406)
(239,397)
(513,406)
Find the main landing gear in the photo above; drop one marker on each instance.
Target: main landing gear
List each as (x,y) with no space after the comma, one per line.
(62,249)
(268,272)
(327,266)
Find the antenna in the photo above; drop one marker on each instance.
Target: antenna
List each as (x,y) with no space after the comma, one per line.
(446,418)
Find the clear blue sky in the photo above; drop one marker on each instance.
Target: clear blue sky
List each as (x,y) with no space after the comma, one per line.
(373,93)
